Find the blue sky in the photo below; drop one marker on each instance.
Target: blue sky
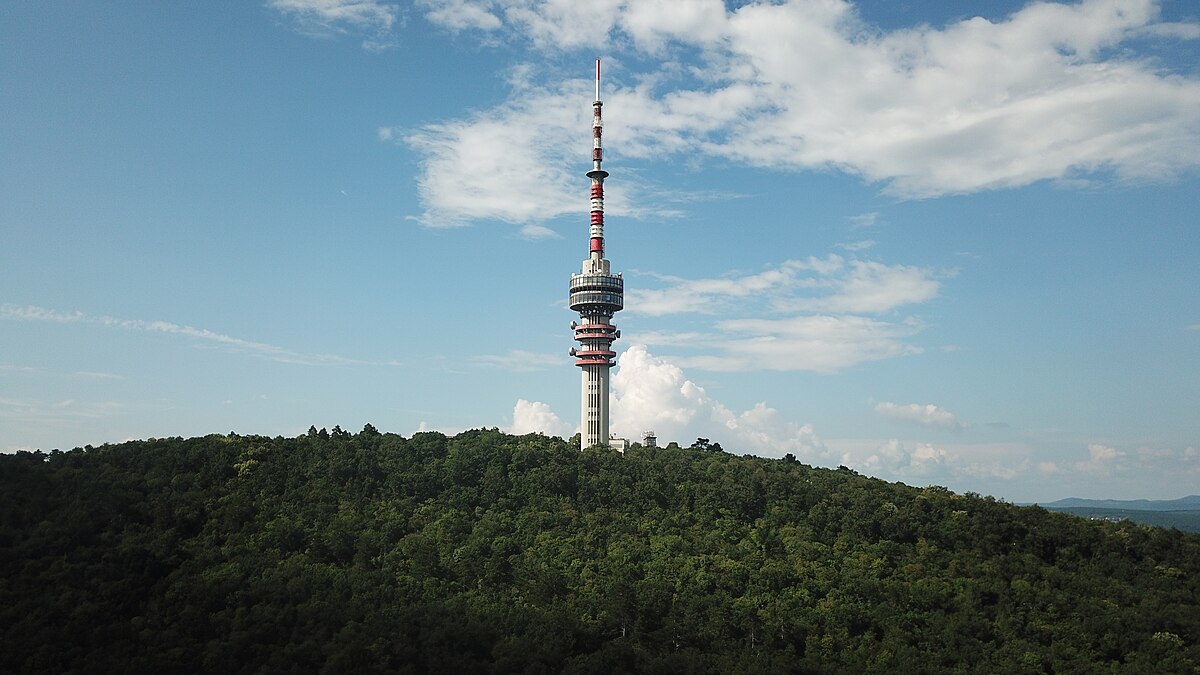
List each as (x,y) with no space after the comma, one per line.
(934,246)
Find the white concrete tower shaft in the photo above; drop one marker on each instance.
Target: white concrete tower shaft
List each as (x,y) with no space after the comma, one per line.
(596,294)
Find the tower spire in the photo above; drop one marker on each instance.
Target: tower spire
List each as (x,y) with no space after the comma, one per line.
(596,294)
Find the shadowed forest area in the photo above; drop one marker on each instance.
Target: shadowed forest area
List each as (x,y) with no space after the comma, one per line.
(485,552)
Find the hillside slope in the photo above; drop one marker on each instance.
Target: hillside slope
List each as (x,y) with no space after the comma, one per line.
(369,552)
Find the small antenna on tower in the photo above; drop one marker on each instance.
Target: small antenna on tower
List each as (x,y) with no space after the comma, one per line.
(597,79)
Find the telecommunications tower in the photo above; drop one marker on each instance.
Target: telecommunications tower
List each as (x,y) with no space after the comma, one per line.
(596,294)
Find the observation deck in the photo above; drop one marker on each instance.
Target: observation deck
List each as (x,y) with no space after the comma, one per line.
(597,293)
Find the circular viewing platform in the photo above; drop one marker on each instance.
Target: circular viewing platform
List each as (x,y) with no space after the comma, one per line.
(590,290)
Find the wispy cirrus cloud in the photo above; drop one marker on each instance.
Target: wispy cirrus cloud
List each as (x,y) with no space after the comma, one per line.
(819,343)
(52,412)
(372,19)
(858,245)
(264,350)
(1054,91)
(536,232)
(523,361)
(818,314)
(830,284)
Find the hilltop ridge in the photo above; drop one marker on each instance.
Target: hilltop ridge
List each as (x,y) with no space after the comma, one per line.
(487,552)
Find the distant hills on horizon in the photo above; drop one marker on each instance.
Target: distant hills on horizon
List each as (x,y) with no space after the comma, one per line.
(1189,503)
(1182,513)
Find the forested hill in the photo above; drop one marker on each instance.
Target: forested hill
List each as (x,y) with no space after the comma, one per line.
(369,552)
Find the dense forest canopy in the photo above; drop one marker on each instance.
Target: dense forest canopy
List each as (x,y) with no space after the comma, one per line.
(485,552)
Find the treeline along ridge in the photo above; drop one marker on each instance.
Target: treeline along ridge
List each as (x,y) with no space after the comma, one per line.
(486,552)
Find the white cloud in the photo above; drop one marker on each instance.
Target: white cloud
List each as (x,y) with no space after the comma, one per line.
(829,284)
(32,313)
(823,344)
(536,417)
(897,459)
(864,220)
(1180,31)
(230,343)
(325,18)
(651,393)
(508,164)
(821,301)
(1101,461)
(708,296)
(654,23)
(1048,468)
(460,15)
(536,232)
(928,415)
(1106,461)
(872,288)
(975,105)
(858,245)
(562,23)
(30,411)
(517,163)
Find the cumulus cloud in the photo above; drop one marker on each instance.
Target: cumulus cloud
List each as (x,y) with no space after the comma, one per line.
(325,18)
(1048,468)
(651,393)
(1102,460)
(897,459)
(492,167)
(1053,92)
(928,415)
(516,163)
(460,15)
(1105,460)
(537,417)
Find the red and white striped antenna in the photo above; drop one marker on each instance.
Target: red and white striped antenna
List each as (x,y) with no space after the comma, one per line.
(597,174)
